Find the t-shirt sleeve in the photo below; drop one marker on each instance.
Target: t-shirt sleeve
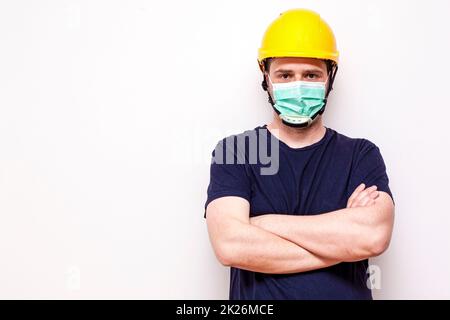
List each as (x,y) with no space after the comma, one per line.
(228,177)
(370,169)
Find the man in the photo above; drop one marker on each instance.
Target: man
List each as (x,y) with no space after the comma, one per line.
(307,230)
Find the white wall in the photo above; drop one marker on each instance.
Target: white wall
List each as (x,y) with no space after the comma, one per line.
(109,111)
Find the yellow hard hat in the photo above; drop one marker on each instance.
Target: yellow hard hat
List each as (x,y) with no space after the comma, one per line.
(298,33)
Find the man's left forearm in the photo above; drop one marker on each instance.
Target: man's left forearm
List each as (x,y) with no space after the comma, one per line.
(349,234)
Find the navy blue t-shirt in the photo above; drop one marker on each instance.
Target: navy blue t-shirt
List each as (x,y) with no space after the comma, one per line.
(311,180)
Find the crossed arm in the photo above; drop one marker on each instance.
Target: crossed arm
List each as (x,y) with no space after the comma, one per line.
(277,243)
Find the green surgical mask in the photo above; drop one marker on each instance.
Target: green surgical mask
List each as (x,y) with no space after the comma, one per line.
(298,102)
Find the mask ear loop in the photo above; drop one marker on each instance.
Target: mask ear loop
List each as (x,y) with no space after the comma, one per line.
(263,66)
(266,88)
(331,76)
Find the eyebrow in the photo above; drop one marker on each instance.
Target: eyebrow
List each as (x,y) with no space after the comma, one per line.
(311,70)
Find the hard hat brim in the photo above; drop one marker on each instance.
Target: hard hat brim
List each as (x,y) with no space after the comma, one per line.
(286,54)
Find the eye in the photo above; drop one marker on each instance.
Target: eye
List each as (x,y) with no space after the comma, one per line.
(285,76)
(311,76)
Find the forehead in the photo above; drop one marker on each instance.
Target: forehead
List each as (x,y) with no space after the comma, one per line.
(297,64)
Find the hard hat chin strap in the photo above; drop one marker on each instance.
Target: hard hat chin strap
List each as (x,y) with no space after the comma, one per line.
(332,70)
(266,88)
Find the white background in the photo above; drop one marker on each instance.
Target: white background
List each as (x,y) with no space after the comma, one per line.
(109,111)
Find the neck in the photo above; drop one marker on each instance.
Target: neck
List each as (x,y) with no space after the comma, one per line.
(297,137)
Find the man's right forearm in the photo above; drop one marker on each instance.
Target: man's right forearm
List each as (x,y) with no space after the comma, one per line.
(251,248)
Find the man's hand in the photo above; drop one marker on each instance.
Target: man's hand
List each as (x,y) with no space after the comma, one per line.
(362,197)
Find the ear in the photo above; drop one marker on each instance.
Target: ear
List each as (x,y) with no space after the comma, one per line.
(264,84)
(261,66)
(265,87)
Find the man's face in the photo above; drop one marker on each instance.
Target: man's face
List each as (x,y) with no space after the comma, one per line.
(296,69)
